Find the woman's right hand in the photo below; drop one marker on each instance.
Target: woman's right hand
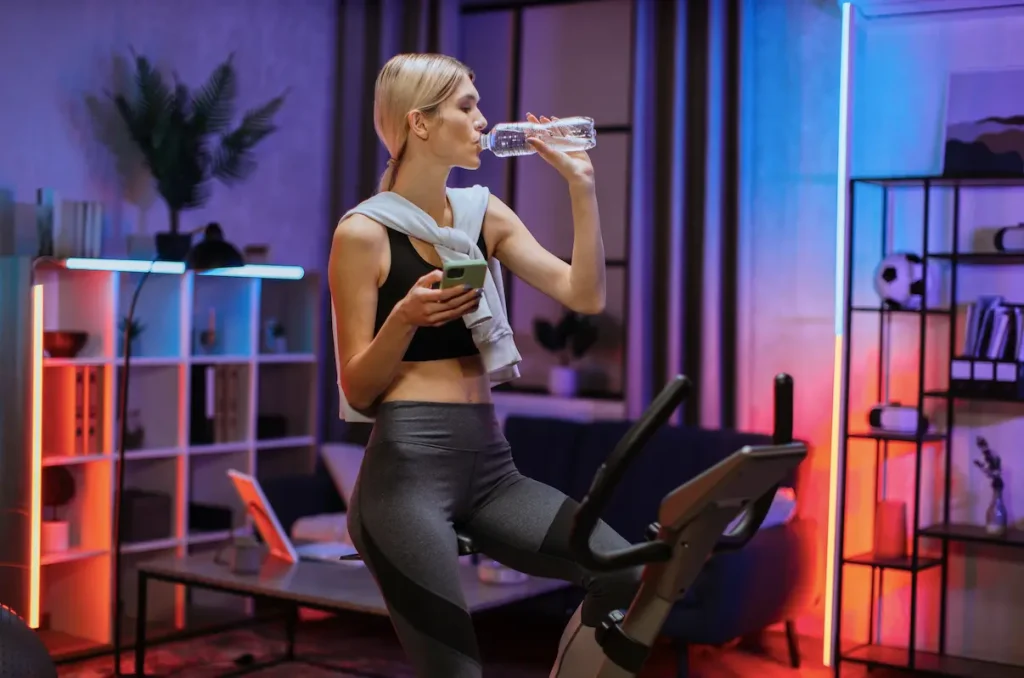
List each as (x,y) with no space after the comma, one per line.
(425,306)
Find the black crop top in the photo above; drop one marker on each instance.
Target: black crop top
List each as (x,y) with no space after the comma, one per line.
(451,340)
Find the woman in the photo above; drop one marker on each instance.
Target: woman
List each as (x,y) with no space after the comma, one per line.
(437,460)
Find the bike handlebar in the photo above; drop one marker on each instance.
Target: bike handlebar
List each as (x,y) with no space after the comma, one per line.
(612,470)
(609,475)
(783,433)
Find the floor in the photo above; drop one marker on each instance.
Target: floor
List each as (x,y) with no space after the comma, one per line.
(367,644)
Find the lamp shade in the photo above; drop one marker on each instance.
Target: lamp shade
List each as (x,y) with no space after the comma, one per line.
(213,251)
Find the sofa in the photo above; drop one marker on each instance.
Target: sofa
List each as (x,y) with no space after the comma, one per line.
(738,594)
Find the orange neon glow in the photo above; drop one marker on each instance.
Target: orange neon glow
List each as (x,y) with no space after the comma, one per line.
(36,493)
(834,469)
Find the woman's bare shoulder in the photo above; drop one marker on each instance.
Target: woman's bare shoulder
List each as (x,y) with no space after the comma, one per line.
(360,231)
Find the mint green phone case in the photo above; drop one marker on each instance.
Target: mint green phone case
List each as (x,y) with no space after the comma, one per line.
(471,272)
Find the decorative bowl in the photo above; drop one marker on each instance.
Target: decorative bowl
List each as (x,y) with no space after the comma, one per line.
(64,343)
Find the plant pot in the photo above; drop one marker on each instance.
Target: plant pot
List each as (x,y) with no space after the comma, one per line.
(173,246)
(563,381)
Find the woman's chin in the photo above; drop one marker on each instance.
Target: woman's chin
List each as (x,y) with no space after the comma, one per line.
(471,163)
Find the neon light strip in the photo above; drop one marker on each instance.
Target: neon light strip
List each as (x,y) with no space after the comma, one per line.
(176,267)
(260,271)
(124,265)
(36,492)
(833,607)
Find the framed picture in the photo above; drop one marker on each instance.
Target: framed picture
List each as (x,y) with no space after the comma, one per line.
(985,124)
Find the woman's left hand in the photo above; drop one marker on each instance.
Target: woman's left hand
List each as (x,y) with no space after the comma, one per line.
(574,166)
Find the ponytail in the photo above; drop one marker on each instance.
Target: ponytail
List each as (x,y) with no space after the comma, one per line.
(387,180)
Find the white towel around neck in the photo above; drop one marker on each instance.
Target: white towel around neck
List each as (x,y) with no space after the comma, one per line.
(489,324)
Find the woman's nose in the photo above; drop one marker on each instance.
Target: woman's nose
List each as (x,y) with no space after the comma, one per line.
(481,124)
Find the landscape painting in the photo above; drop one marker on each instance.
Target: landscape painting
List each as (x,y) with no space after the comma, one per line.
(985,124)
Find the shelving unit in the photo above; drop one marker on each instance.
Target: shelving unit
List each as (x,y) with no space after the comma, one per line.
(246,400)
(929,545)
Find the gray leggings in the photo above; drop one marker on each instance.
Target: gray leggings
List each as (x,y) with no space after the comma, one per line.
(430,468)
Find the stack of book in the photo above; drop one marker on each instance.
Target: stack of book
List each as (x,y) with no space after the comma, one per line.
(993,355)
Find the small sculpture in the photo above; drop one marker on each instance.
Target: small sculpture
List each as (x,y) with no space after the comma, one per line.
(996,519)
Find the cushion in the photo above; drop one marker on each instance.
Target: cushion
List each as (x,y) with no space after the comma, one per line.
(343,461)
(325,527)
(782,510)
(544,449)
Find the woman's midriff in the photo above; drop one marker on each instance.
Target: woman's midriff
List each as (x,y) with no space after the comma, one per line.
(456,380)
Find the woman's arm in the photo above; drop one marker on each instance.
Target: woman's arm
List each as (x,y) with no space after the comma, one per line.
(367,363)
(580,285)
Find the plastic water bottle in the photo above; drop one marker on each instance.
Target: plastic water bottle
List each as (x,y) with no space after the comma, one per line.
(508,139)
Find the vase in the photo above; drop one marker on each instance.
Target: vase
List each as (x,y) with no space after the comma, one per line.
(562,381)
(171,246)
(996,519)
(54,536)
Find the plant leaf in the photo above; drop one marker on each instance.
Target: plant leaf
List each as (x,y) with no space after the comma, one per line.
(174,129)
(548,336)
(213,105)
(584,337)
(233,160)
(155,99)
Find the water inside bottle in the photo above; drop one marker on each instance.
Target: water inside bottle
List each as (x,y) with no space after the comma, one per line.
(568,134)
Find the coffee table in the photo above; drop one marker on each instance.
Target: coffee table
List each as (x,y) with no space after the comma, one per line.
(317,585)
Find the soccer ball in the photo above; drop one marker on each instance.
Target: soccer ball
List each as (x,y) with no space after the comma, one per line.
(900,281)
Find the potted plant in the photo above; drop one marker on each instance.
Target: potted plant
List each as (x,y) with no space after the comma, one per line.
(276,337)
(58,489)
(186,140)
(130,333)
(569,340)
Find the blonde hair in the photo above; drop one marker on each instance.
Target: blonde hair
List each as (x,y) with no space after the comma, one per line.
(406,83)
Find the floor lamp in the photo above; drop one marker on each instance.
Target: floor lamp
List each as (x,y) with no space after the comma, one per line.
(213,252)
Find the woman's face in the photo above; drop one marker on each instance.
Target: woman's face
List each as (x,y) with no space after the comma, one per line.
(455,131)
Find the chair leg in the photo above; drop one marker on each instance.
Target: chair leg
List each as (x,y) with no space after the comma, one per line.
(682,659)
(791,641)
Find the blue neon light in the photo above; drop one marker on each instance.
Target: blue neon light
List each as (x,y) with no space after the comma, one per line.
(842,208)
(266,271)
(260,271)
(124,265)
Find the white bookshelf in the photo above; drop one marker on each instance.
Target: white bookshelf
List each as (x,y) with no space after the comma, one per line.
(273,429)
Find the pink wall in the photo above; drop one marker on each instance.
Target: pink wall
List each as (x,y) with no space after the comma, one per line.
(56,53)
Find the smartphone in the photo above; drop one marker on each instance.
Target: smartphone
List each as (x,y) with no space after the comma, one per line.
(471,272)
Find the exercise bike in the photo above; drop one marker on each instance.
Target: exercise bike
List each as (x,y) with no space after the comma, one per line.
(691,522)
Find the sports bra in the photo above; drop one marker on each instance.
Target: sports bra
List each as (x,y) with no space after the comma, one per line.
(451,340)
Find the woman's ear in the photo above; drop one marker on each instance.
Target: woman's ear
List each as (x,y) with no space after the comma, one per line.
(418,124)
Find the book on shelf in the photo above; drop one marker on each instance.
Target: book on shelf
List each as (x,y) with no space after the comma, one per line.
(994,330)
(216,404)
(87,403)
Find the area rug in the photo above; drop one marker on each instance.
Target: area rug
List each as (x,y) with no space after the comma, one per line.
(513,645)
(511,648)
